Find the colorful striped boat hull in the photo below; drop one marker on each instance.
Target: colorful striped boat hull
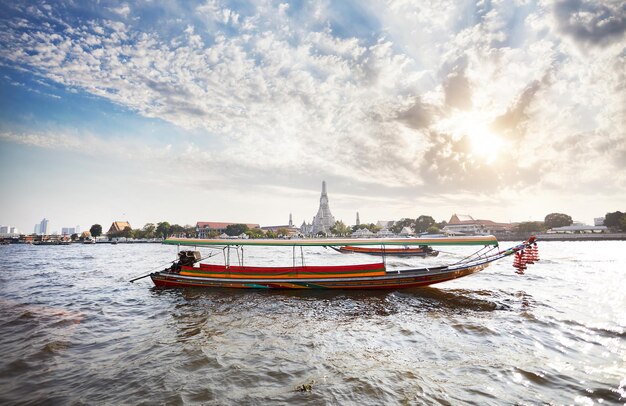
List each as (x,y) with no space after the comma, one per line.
(297,272)
(390,280)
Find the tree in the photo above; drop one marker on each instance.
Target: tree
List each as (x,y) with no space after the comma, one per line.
(553,220)
(127,232)
(255,233)
(423,222)
(622,222)
(270,234)
(530,227)
(282,232)
(236,229)
(148,230)
(136,234)
(612,220)
(163,229)
(190,231)
(341,229)
(74,237)
(176,229)
(433,230)
(95,230)
(399,225)
(371,226)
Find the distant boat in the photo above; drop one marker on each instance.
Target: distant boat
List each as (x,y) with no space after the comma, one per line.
(49,242)
(421,251)
(89,240)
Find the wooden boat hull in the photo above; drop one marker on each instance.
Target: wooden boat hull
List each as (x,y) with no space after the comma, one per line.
(184,274)
(390,280)
(389,251)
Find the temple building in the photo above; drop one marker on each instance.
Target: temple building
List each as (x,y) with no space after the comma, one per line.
(323,220)
(463,224)
(118,226)
(291,230)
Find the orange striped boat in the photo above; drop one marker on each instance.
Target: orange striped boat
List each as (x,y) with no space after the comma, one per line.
(188,272)
(421,251)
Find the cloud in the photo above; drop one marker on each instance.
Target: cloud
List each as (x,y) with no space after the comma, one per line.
(123,10)
(457,90)
(594,23)
(88,144)
(513,120)
(419,115)
(288,91)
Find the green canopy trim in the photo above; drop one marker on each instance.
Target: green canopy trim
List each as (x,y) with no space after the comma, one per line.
(335,242)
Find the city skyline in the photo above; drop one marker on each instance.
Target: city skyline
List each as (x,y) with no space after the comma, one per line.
(236,111)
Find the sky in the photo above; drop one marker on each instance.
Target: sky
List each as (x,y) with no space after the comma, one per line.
(236,111)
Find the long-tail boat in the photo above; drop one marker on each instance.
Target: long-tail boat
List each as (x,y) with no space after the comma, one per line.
(421,251)
(187,271)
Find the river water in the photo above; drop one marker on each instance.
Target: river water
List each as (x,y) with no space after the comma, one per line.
(73,330)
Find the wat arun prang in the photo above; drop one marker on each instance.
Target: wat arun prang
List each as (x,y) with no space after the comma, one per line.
(323,220)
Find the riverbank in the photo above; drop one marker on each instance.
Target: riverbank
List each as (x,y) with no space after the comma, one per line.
(566,237)
(7,241)
(500,237)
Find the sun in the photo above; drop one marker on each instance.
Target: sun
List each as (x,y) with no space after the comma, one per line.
(473,128)
(485,144)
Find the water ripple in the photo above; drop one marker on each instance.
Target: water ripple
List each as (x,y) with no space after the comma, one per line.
(74,331)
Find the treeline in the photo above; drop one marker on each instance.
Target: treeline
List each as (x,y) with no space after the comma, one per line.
(165,230)
(615,221)
(235,230)
(552,220)
(420,224)
(148,231)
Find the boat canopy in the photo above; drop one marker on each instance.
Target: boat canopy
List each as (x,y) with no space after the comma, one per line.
(335,242)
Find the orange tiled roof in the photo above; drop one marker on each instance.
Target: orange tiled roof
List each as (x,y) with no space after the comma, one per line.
(119,226)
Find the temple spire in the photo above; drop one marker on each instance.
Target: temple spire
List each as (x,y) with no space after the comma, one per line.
(324,220)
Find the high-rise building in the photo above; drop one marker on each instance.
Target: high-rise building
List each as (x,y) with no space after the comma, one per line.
(42,227)
(323,220)
(6,230)
(69,230)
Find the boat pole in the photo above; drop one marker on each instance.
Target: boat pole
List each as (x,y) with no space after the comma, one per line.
(140,277)
(150,272)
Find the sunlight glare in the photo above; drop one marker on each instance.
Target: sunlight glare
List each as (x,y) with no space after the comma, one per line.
(485,143)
